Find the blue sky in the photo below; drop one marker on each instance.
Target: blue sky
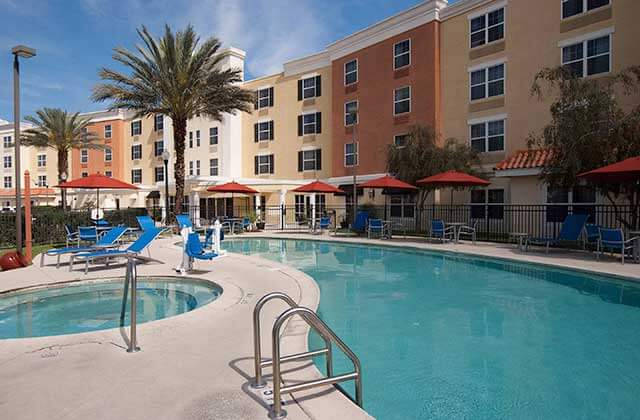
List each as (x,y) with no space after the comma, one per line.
(74,38)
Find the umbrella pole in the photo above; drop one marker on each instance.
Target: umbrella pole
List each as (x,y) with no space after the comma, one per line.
(98,204)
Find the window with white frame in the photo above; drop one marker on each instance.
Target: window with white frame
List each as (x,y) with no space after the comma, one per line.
(264,131)
(309,160)
(589,57)
(108,174)
(7,142)
(563,201)
(158,148)
(402,54)
(487,28)
(84,174)
(159,173)
(400,140)
(190,139)
(197,168)
(136,176)
(264,98)
(487,203)
(84,156)
(300,212)
(136,152)
(107,131)
(42,160)
(487,82)
(213,167)
(576,7)
(8,182)
(309,87)
(158,122)
(264,164)
(213,135)
(350,113)
(197,138)
(42,181)
(351,154)
(108,154)
(350,72)
(402,100)
(7,161)
(487,136)
(190,168)
(136,128)
(310,123)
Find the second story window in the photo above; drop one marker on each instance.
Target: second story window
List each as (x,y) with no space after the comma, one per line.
(575,7)
(310,160)
(213,135)
(197,138)
(158,122)
(8,162)
(311,87)
(136,152)
(264,98)
(487,82)
(136,176)
(350,72)
(108,154)
(136,128)
(487,28)
(8,182)
(350,113)
(84,156)
(402,100)
(350,154)
(84,174)
(309,124)
(190,139)
(42,181)
(108,174)
(264,164)
(6,142)
(488,136)
(190,168)
(588,57)
(263,131)
(402,54)
(42,161)
(107,131)
(213,167)
(158,148)
(159,173)
(400,140)
(197,168)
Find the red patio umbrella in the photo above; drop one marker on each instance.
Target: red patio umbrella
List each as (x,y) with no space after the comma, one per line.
(453,179)
(318,187)
(96,182)
(626,171)
(387,182)
(233,188)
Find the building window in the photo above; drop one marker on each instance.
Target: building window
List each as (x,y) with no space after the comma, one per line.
(402,100)
(263,131)
(108,174)
(190,168)
(575,7)
(400,140)
(190,139)
(8,182)
(197,168)
(159,173)
(107,131)
(350,113)
(197,138)
(213,135)
(350,72)
(487,136)
(309,88)
(580,200)
(310,160)
(108,154)
(84,156)
(487,28)
(136,152)
(309,124)
(487,204)
(596,60)
(158,122)
(402,206)
(351,154)
(8,162)
(136,176)
(136,127)
(42,181)
(299,207)
(487,82)
(42,161)
(84,174)
(6,141)
(264,98)
(158,148)
(213,167)
(264,164)
(402,54)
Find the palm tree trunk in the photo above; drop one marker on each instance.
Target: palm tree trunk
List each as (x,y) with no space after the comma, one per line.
(179,135)
(63,163)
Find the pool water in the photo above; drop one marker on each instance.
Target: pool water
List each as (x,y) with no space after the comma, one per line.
(90,306)
(442,336)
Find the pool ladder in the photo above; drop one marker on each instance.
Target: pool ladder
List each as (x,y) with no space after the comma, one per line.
(328,336)
(131,281)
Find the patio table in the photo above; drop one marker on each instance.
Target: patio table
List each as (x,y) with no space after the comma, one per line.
(520,238)
(456,229)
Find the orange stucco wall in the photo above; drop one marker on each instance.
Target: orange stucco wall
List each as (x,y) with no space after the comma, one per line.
(96,161)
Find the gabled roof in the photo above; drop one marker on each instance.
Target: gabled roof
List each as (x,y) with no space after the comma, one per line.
(525,159)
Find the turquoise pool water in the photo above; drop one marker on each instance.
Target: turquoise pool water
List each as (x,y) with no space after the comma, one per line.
(90,306)
(449,337)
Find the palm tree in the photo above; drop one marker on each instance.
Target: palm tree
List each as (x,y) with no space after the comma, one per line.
(178,77)
(57,129)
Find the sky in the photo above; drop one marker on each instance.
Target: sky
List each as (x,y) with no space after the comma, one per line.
(75,38)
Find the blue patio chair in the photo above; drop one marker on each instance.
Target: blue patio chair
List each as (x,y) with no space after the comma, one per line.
(360,225)
(570,232)
(324,224)
(245,224)
(208,238)
(145,222)
(107,240)
(592,235)
(440,231)
(184,221)
(195,250)
(102,223)
(613,240)
(469,231)
(133,250)
(376,226)
(87,234)
(72,236)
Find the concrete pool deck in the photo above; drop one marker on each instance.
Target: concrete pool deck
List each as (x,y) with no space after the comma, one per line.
(197,365)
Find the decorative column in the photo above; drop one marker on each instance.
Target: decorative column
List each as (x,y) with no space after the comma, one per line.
(194,203)
(283,208)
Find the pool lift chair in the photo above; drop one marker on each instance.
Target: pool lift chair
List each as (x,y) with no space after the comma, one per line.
(193,249)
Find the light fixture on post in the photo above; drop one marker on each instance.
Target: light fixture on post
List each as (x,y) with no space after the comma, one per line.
(166,155)
(24,52)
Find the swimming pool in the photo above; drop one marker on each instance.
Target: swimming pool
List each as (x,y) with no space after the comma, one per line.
(96,305)
(447,336)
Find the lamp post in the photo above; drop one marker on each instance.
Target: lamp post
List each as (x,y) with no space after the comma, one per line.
(24,52)
(63,192)
(166,155)
(354,121)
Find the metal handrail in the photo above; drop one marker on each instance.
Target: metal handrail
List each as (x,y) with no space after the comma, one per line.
(312,319)
(131,279)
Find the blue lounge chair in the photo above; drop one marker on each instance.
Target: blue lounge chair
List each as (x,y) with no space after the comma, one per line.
(195,250)
(324,224)
(376,226)
(592,235)
(440,231)
(87,234)
(102,223)
(145,222)
(360,225)
(72,236)
(184,221)
(613,240)
(570,232)
(107,240)
(133,250)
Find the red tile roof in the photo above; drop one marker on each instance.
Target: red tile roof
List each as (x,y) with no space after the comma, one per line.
(10,192)
(525,159)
